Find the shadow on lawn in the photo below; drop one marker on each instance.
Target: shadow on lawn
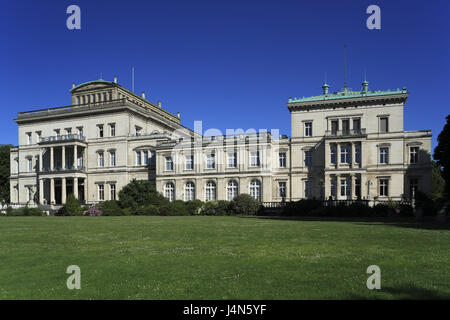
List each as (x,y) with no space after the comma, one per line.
(403,292)
(429,223)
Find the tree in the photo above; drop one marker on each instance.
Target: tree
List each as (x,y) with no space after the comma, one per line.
(442,155)
(72,206)
(4,172)
(140,193)
(437,182)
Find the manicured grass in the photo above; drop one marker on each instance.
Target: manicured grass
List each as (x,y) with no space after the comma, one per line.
(221,258)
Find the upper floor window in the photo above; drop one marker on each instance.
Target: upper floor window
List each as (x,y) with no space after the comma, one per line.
(334,127)
(28,137)
(56,132)
(357,153)
(282,159)
(100,131)
(112,188)
(152,157)
(29,164)
(138,158)
(308,158)
(308,129)
(169,164)
(357,125)
(101,161)
(413,154)
(345,154)
(80,131)
(333,154)
(189,162)
(112,129)
(210,161)
(38,136)
(384,155)
(345,126)
(145,152)
(112,158)
(384,187)
(254,159)
(232,160)
(308,189)
(138,130)
(282,189)
(384,124)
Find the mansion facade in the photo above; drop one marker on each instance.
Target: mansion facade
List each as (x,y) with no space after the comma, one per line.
(347,145)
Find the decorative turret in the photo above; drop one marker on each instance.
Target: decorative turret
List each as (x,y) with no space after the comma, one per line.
(325,88)
(365,86)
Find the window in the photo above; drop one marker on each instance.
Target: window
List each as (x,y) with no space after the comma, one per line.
(101,192)
(358,188)
(138,158)
(112,129)
(152,157)
(38,136)
(112,188)
(345,154)
(384,155)
(384,125)
(255,189)
(282,189)
(29,164)
(189,191)
(100,131)
(169,164)
(413,186)
(232,190)
(308,189)
(28,137)
(138,130)
(112,158)
(169,191)
(80,131)
(308,129)
(210,161)
(333,185)
(56,132)
(413,154)
(358,153)
(345,188)
(282,159)
(345,127)
(334,127)
(190,162)
(357,125)
(384,187)
(232,160)
(100,159)
(145,152)
(333,154)
(254,159)
(104,96)
(308,158)
(210,191)
(30,194)
(78,100)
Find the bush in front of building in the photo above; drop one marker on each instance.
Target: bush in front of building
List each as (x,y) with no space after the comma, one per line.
(140,193)
(72,207)
(244,204)
(302,207)
(193,207)
(111,208)
(215,208)
(175,208)
(25,212)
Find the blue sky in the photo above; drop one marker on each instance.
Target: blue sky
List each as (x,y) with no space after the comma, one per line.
(231,64)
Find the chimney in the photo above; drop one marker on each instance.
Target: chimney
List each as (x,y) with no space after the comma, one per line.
(160,104)
(178,115)
(325,89)
(365,86)
(115,79)
(143,95)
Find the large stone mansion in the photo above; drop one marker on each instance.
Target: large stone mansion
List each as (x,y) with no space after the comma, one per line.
(347,144)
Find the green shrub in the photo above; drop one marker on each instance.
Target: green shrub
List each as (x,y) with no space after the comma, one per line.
(193,207)
(9,211)
(244,204)
(425,202)
(25,212)
(149,210)
(72,206)
(175,208)
(140,193)
(302,207)
(111,208)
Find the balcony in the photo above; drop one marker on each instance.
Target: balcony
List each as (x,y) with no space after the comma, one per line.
(345,133)
(62,138)
(62,170)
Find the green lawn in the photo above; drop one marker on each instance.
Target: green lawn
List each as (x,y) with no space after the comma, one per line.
(221,258)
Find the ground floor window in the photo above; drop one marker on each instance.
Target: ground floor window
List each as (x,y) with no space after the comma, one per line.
(413,186)
(384,187)
(345,188)
(189,191)
(282,189)
(308,189)
(169,191)
(255,189)
(232,190)
(333,186)
(113,191)
(358,188)
(101,192)
(210,191)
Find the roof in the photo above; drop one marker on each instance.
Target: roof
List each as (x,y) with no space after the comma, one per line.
(90,82)
(347,94)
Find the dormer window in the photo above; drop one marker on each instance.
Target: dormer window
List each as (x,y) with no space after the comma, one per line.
(138,130)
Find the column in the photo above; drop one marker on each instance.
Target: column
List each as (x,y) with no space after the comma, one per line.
(85,161)
(40,160)
(63,190)
(75,187)
(85,190)
(63,157)
(363,182)
(327,186)
(338,186)
(338,154)
(52,191)
(75,156)
(41,191)
(52,162)
(352,186)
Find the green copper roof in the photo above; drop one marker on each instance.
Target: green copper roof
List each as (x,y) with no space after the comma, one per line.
(346,94)
(94,81)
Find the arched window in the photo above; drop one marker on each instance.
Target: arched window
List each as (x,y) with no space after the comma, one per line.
(232,190)
(189,191)
(210,191)
(255,189)
(169,191)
